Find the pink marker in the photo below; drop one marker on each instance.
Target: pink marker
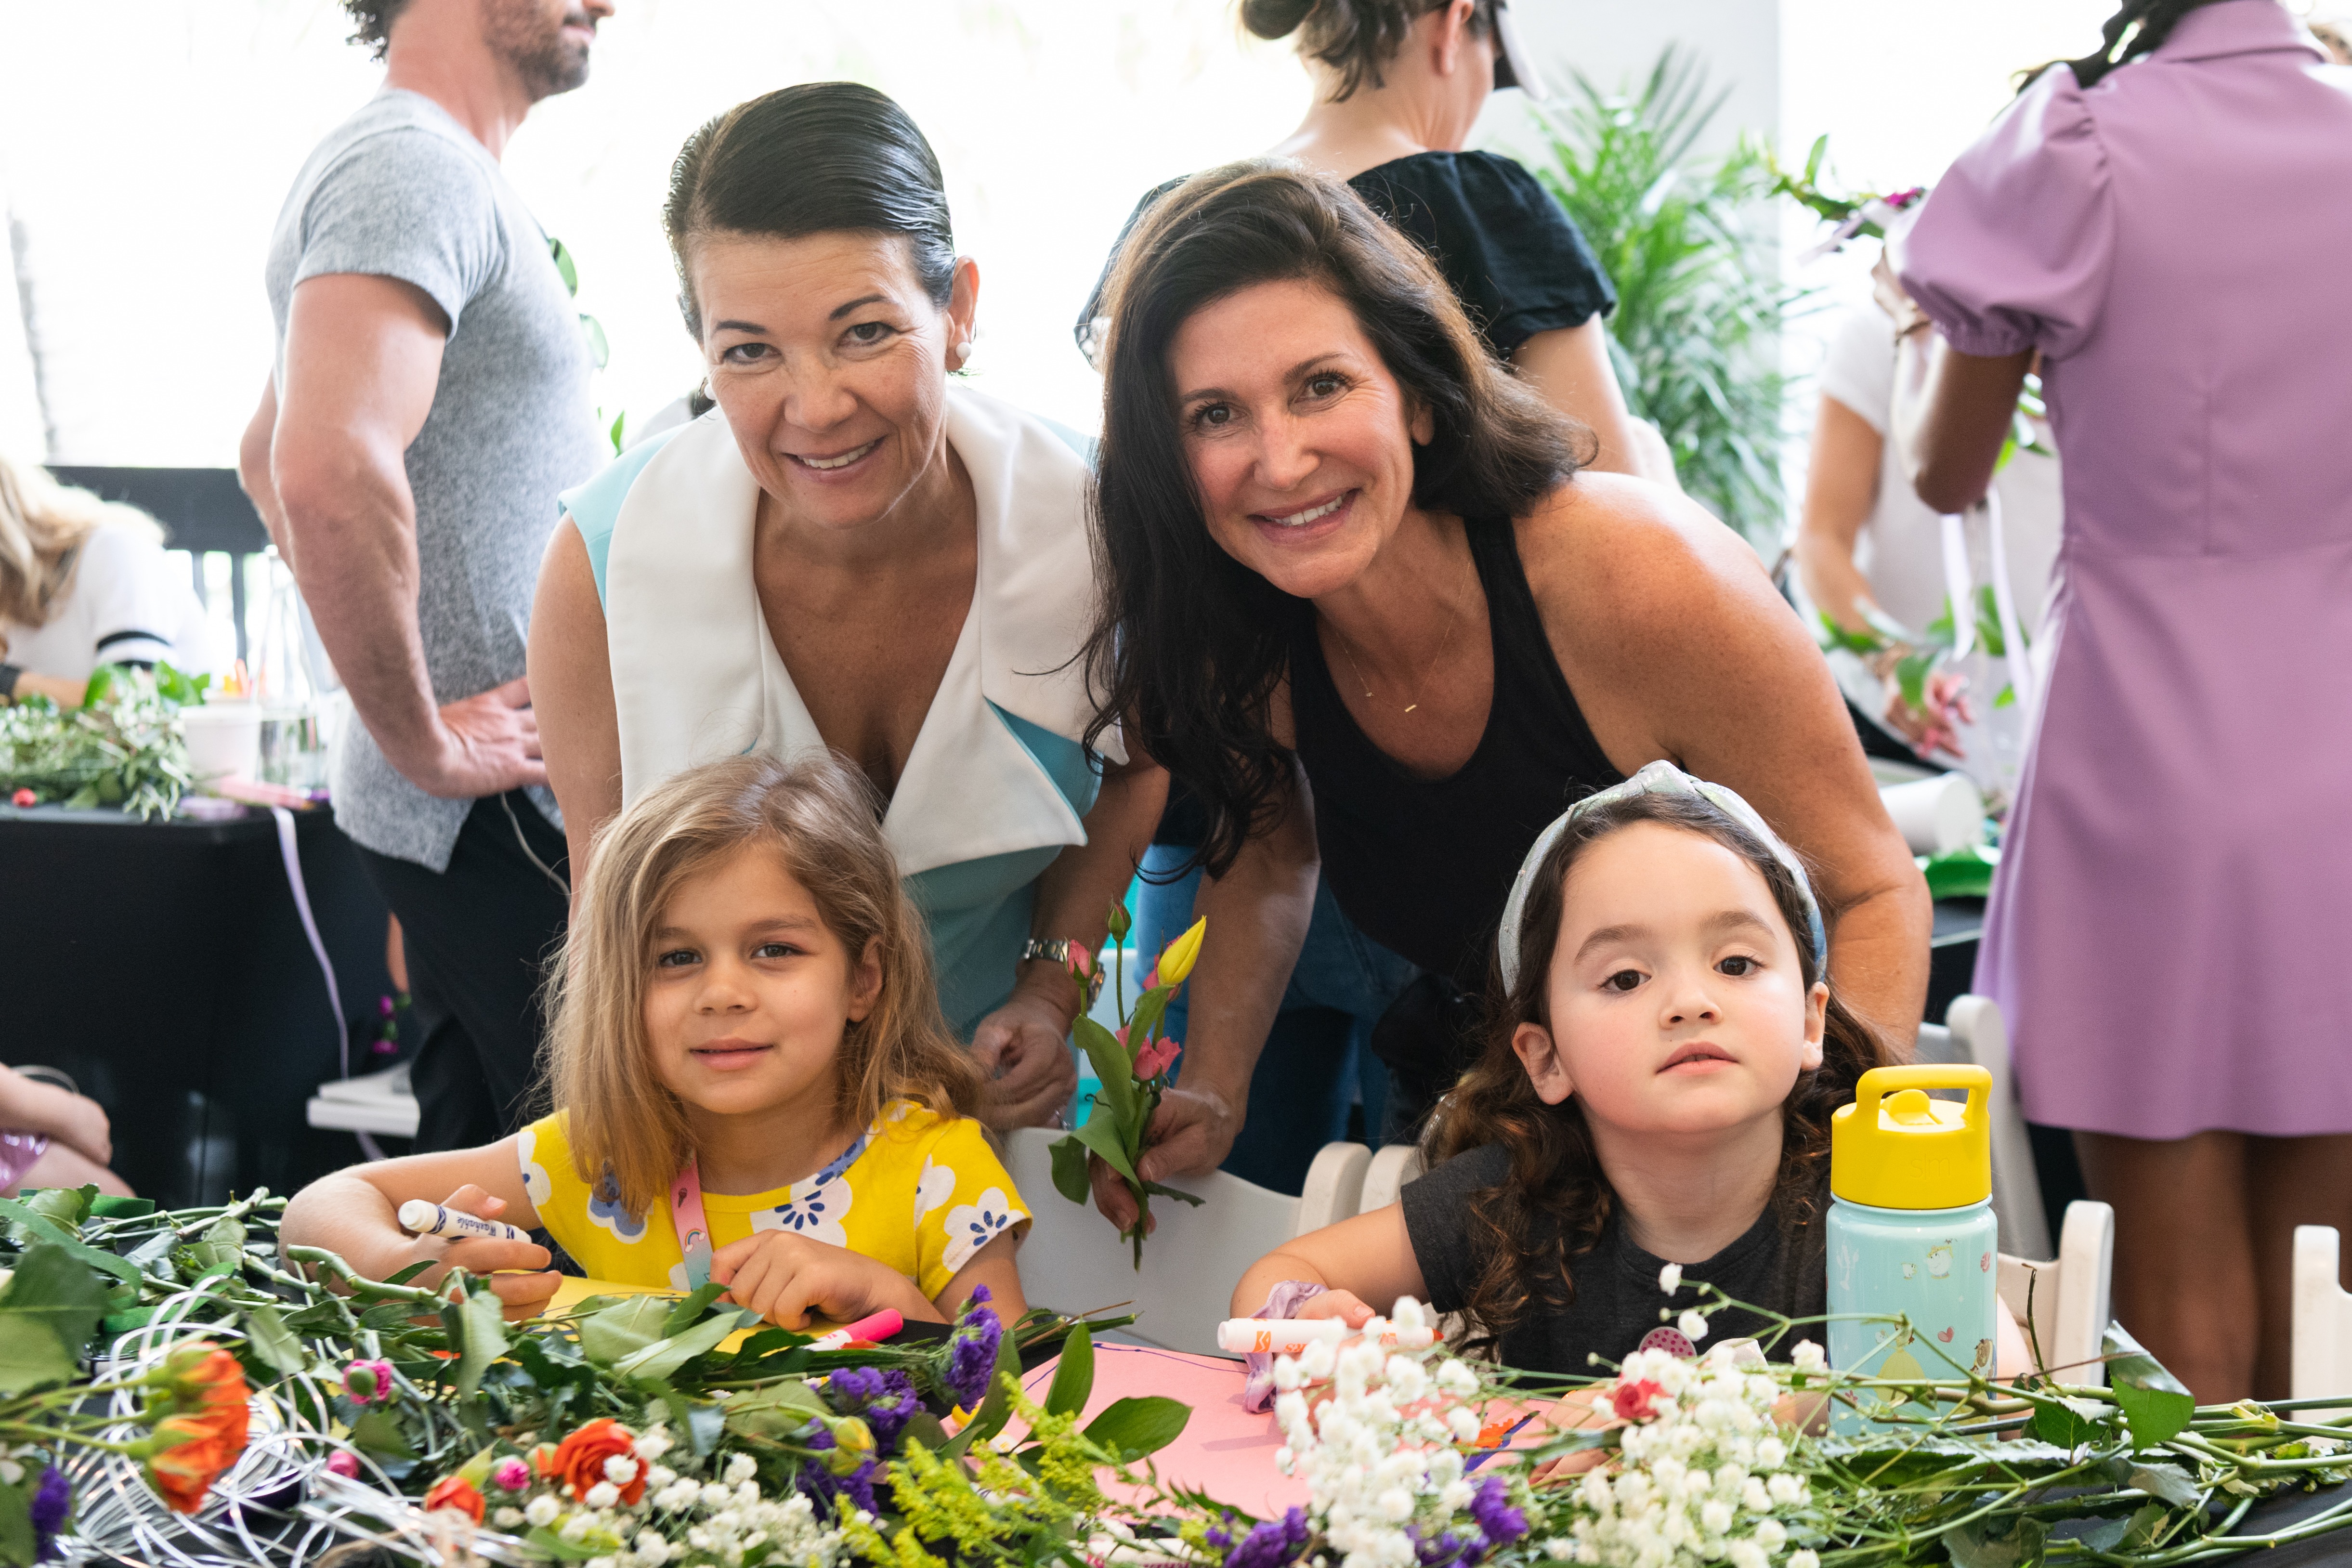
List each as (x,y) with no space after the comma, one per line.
(875,1329)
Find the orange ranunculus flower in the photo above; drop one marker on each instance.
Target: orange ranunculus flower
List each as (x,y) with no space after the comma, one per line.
(455,1491)
(198,1453)
(580,1458)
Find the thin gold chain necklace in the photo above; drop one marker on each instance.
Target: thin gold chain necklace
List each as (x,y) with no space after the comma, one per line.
(1347,652)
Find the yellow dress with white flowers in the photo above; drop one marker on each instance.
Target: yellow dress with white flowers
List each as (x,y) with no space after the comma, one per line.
(919,1190)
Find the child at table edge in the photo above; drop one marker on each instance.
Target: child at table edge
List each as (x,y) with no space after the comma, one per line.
(745,1001)
(1661,1066)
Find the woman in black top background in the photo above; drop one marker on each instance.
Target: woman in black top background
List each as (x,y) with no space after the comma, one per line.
(1398,86)
(1361,595)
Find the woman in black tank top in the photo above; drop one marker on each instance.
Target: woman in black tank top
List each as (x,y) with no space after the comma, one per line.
(1297,420)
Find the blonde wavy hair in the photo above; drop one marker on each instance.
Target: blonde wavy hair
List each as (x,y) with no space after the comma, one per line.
(823,820)
(43,526)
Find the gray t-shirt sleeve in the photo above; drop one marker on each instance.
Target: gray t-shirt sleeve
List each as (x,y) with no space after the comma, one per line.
(406,204)
(1437,1208)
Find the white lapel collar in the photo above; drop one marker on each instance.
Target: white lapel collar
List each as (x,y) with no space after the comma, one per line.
(682,615)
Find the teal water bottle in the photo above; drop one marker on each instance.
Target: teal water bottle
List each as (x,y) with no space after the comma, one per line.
(1911,1229)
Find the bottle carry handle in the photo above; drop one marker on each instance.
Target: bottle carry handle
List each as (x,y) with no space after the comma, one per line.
(1879,1082)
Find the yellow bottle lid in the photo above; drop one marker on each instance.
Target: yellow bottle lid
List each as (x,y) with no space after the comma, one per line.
(1894,1148)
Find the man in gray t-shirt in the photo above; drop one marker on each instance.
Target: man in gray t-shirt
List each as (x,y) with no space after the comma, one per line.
(430,399)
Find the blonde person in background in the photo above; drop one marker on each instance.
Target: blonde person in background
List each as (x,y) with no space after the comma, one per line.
(84,583)
(1867,542)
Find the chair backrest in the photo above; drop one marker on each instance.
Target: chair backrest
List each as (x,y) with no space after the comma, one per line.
(1073,1260)
(1979,1035)
(2320,1359)
(2066,1301)
(1391,1167)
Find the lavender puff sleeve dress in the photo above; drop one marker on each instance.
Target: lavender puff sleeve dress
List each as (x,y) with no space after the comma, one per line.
(2170,933)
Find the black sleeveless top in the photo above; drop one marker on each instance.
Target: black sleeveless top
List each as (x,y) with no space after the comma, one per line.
(1423,867)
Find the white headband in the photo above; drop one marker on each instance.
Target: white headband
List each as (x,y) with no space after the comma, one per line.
(1658,778)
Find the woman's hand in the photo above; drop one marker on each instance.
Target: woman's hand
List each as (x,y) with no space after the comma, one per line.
(1935,725)
(1191,1131)
(1583,1409)
(785,1277)
(517,1271)
(1020,1046)
(1344,1305)
(73,1120)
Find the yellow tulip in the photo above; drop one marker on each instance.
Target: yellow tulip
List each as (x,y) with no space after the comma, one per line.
(1176,958)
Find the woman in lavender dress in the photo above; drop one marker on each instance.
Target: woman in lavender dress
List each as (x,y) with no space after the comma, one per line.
(2167,222)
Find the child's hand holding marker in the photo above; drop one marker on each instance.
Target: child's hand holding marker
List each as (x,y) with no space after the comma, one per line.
(463,1231)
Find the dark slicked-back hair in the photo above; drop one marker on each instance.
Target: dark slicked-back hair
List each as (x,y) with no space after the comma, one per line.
(1354,38)
(818,158)
(1191,645)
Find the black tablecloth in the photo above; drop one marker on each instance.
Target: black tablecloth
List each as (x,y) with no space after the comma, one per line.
(164,966)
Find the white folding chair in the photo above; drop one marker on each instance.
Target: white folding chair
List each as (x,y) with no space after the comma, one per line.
(2066,1301)
(1974,1032)
(1392,1168)
(1073,1260)
(2320,1362)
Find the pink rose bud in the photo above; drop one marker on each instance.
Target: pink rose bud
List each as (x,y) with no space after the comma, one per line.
(510,1474)
(1080,961)
(368,1382)
(344,1463)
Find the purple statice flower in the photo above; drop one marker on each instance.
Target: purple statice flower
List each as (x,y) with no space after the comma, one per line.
(1490,1505)
(1272,1544)
(820,1485)
(52,1503)
(884,1397)
(971,1350)
(1446,1548)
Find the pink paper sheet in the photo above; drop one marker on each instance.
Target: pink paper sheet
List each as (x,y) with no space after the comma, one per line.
(1224,1451)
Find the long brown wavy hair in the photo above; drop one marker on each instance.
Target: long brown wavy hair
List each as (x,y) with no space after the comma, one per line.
(1556,1202)
(822,820)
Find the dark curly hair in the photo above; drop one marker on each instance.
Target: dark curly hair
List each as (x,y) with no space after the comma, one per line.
(1354,38)
(372,22)
(1556,1200)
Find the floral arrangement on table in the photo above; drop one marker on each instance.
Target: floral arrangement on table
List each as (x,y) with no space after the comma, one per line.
(1135,1063)
(122,747)
(267,1417)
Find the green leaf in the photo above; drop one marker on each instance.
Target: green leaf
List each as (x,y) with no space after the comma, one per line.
(1911,674)
(924,1427)
(1813,159)
(1070,1178)
(600,352)
(563,1551)
(410,1272)
(272,1341)
(379,1432)
(1074,1379)
(777,1410)
(477,1330)
(691,1307)
(666,1356)
(1134,1428)
(48,1230)
(118,1205)
(2060,1427)
(48,1313)
(1114,1065)
(563,264)
(2007,697)
(2155,1405)
(1101,1133)
(2164,1482)
(1973,1546)
(623,1328)
(67,1206)
(614,435)
(18,1545)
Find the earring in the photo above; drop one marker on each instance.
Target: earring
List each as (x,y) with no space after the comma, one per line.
(963,352)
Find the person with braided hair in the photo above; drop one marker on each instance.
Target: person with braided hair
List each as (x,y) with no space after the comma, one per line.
(2165,222)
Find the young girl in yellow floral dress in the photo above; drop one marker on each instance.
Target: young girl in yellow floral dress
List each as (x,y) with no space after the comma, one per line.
(752,1079)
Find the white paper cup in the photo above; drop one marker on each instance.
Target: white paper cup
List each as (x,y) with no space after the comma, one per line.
(224,740)
(1936,816)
